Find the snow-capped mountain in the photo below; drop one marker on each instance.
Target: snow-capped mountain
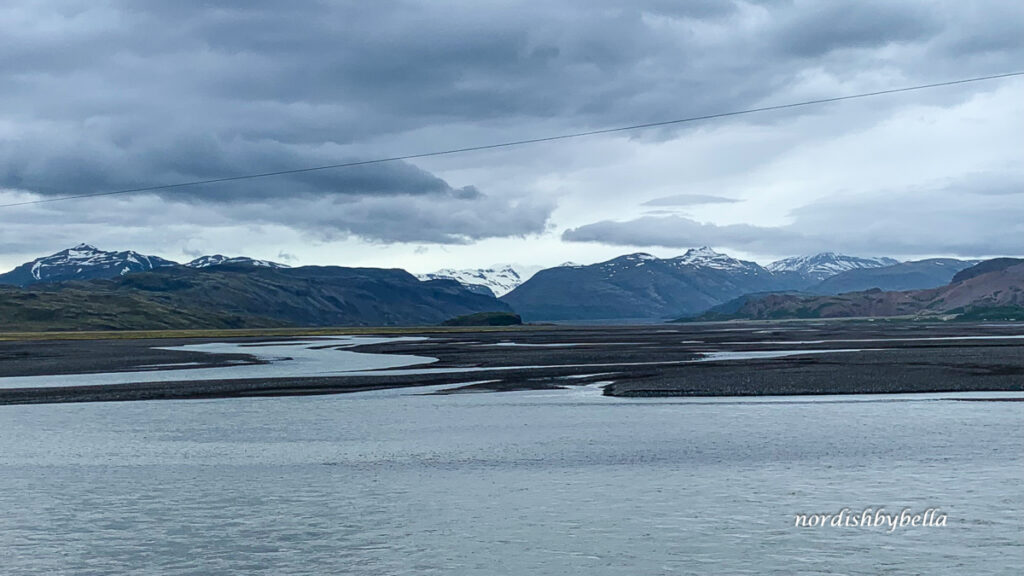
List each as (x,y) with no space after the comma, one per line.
(83,262)
(498,281)
(694,258)
(705,257)
(825,265)
(639,287)
(218,259)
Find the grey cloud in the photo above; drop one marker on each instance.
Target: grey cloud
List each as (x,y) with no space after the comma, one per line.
(441,220)
(990,31)
(689,200)
(661,212)
(343,72)
(984,184)
(156,223)
(902,223)
(326,203)
(675,231)
(458,216)
(825,26)
(93,161)
(120,94)
(922,221)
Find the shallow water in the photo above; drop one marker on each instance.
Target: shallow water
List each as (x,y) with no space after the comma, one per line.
(326,357)
(766,354)
(547,482)
(914,339)
(289,359)
(558,344)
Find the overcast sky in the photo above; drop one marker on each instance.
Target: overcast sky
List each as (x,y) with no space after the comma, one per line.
(106,95)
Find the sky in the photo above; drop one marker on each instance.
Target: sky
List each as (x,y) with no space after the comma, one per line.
(108,95)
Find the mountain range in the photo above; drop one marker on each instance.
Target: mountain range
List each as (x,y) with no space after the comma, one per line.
(900,276)
(83,262)
(239,296)
(814,269)
(641,287)
(245,291)
(86,262)
(990,290)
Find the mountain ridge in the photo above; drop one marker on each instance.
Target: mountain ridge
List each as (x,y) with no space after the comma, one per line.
(636,286)
(818,267)
(999,290)
(913,275)
(220,260)
(241,296)
(82,262)
(642,286)
(86,262)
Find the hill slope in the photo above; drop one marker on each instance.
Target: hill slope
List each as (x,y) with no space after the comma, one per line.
(916,275)
(1000,289)
(985,267)
(241,296)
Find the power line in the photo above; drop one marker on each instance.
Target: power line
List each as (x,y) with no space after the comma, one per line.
(516,142)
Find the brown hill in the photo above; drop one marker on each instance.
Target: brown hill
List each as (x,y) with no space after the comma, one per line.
(1000,290)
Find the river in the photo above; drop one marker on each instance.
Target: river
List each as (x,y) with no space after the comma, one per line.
(544,482)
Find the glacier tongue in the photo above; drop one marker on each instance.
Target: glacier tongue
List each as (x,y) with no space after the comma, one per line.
(500,280)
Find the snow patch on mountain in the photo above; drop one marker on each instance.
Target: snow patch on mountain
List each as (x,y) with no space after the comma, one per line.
(219,259)
(82,262)
(705,257)
(500,280)
(826,264)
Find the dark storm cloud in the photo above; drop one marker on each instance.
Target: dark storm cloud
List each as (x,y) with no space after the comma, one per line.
(359,69)
(119,94)
(826,26)
(186,157)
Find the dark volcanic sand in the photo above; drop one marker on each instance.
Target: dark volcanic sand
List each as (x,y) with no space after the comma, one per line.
(881,367)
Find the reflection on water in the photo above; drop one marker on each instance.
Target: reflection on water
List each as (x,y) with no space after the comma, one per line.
(547,482)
